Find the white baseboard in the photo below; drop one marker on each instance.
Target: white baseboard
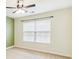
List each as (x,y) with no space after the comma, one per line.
(10,47)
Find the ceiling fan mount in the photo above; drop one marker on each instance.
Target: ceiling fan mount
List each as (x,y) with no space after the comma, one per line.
(21,6)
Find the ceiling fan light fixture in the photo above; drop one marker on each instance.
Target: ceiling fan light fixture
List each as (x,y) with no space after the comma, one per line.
(20,11)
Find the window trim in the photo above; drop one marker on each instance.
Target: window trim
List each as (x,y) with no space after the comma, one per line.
(37,31)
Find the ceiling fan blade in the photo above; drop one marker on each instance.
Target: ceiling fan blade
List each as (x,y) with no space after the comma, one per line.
(33,5)
(11,7)
(15,11)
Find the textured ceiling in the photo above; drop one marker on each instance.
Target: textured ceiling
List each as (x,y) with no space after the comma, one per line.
(41,6)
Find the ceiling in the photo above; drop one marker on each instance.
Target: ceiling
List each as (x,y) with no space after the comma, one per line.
(41,6)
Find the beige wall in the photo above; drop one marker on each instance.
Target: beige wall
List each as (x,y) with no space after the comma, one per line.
(61,33)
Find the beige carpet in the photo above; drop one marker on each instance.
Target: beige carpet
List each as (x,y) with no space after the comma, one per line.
(17,53)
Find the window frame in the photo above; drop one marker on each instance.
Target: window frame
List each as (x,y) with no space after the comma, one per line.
(37,31)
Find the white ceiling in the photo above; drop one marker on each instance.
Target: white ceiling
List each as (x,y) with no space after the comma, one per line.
(41,6)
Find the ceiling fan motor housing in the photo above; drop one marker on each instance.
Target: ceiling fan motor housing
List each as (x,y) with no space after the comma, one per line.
(20,4)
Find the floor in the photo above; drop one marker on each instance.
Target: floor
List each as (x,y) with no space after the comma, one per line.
(17,53)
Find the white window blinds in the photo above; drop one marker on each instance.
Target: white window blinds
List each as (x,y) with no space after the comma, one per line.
(37,30)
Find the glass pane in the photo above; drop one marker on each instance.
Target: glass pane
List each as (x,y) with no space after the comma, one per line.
(43,37)
(28,36)
(28,26)
(43,25)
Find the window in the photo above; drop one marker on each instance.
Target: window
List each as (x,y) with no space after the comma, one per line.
(37,30)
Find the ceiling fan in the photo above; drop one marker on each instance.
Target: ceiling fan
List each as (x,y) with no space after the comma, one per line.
(20,6)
